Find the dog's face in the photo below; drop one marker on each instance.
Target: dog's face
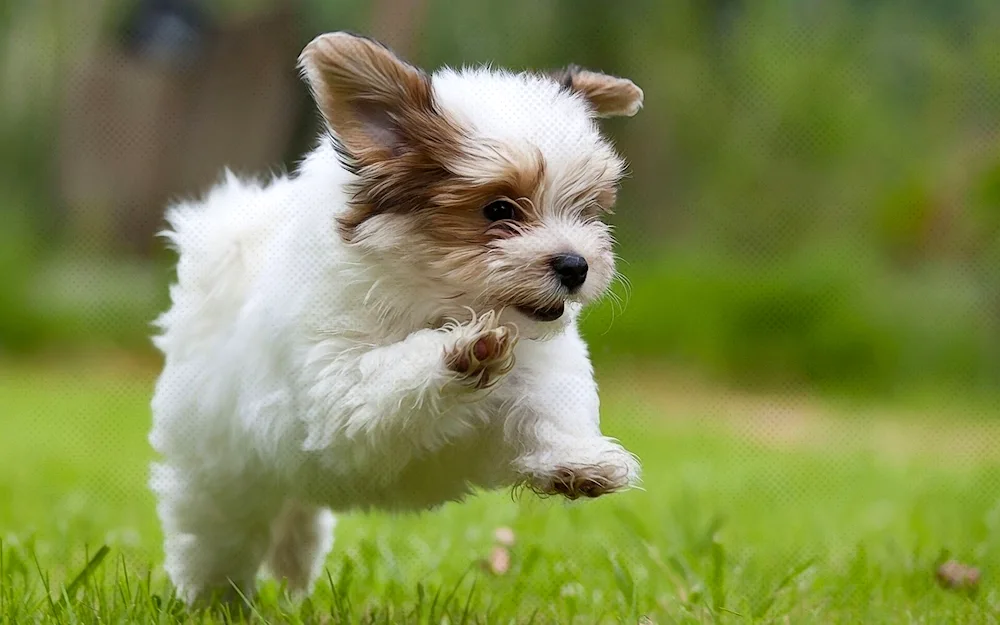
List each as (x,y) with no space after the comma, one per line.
(487,189)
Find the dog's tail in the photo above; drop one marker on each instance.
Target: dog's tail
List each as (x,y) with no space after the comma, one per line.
(215,239)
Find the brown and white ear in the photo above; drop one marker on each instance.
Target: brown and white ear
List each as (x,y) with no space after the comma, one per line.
(365,93)
(610,96)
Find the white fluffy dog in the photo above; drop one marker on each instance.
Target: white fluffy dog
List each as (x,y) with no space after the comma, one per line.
(346,337)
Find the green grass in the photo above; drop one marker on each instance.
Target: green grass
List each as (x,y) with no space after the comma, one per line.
(731,527)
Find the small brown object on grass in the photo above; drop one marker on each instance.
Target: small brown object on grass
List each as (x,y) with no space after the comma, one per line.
(957,576)
(499,561)
(504,536)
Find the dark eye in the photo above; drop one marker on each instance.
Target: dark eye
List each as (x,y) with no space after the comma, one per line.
(499,210)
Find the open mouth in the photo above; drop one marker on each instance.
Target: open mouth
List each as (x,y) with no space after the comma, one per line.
(544,314)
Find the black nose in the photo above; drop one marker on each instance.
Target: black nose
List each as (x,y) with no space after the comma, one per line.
(571,269)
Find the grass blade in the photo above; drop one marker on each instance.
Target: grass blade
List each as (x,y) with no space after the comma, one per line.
(718,581)
(46,585)
(454,591)
(3,583)
(468,602)
(249,604)
(765,607)
(88,570)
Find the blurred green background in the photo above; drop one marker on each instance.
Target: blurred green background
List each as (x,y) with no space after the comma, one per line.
(814,196)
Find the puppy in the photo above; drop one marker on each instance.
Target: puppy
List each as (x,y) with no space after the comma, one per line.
(394,325)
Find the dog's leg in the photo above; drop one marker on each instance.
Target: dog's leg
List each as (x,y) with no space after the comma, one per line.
(215,534)
(301,539)
(553,425)
(564,450)
(429,372)
(574,467)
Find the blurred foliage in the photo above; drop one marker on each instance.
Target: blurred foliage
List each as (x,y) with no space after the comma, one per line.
(815,188)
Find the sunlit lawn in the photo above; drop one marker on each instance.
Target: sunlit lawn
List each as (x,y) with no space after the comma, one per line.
(734,524)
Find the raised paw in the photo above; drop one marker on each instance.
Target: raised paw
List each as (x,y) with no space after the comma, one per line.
(484,353)
(589,480)
(576,482)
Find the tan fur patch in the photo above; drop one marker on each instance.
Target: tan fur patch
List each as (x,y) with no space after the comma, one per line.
(591,185)
(610,96)
(388,130)
(454,211)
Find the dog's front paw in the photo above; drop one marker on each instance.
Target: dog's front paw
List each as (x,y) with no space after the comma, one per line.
(575,479)
(484,351)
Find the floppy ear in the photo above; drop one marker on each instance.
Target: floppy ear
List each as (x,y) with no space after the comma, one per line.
(610,96)
(367,95)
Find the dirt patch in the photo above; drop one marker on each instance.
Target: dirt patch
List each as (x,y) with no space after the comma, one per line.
(795,420)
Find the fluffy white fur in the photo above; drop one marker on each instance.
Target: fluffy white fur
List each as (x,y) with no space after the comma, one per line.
(304,375)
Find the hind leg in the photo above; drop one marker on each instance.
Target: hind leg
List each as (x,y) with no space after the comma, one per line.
(301,539)
(215,534)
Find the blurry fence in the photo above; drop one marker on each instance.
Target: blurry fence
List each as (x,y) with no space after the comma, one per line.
(145,122)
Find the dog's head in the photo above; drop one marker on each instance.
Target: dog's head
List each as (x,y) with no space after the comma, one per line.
(487,187)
